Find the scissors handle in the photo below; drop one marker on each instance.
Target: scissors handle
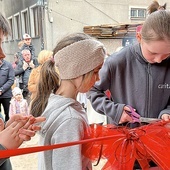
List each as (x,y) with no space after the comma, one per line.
(135,116)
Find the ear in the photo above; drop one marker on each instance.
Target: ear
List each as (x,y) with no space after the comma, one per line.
(138,36)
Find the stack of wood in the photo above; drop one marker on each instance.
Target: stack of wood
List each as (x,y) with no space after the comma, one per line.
(111,31)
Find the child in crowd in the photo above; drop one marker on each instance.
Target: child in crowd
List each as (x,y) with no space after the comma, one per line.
(18,104)
(78,58)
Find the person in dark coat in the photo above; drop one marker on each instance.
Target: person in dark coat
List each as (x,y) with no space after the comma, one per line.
(23,69)
(7,80)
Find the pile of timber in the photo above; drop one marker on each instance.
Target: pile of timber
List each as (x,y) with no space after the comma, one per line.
(111,31)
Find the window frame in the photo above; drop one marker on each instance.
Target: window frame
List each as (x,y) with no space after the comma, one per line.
(137,17)
(34,21)
(11,24)
(17,26)
(25,21)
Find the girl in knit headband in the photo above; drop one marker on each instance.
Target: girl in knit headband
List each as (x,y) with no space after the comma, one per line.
(79,59)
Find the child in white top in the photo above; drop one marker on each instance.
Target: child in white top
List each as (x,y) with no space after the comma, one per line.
(18,105)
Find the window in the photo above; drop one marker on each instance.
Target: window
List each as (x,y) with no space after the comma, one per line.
(138,13)
(11,37)
(17,27)
(25,22)
(35,21)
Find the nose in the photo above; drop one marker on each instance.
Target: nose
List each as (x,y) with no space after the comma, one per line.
(159,59)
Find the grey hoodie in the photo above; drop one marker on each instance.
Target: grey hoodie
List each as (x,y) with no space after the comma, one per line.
(132,81)
(65,121)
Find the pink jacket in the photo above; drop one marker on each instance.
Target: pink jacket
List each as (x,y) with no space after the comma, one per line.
(22,107)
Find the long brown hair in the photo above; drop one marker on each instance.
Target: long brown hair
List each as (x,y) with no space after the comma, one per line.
(49,79)
(48,83)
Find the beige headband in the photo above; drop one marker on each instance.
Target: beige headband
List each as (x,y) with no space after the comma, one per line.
(79,58)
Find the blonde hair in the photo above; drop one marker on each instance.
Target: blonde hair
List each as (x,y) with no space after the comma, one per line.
(44,55)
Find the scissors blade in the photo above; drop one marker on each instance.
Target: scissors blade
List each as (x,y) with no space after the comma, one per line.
(148,120)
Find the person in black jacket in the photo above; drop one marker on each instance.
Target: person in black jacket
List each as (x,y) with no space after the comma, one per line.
(7,80)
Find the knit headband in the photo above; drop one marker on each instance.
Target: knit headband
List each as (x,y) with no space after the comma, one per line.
(79,58)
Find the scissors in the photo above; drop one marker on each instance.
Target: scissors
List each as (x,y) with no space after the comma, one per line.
(137,118)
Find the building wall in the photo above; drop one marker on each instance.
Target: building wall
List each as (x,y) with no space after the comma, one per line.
(16,6)
(62,17)
(10,8)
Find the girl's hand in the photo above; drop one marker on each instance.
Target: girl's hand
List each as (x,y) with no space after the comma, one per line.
(9,137)
(165,117)
(125,117)
(18,129)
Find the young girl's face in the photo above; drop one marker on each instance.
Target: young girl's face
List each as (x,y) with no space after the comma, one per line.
(155,51)
(18,97)
(90,79)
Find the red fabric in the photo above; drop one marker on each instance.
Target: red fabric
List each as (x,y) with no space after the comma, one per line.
(121,146)
(108,94)
(145,143)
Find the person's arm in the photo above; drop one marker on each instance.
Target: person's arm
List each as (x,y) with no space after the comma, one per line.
(20,68)
(100,101)
(32,85)
(10,79)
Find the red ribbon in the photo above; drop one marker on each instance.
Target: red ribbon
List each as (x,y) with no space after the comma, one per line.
(121,146)
(22,151)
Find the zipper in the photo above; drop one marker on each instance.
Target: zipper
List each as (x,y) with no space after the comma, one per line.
(149,90)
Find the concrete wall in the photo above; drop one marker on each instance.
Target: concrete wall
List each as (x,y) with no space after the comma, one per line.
(62,17)
(71,16)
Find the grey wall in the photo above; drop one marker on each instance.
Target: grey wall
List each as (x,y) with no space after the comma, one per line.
(13,6)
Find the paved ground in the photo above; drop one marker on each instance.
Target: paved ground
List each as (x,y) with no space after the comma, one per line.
(28,161)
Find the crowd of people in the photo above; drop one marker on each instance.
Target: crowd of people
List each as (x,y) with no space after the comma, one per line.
(16,128)
(19,82)
(50,84)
